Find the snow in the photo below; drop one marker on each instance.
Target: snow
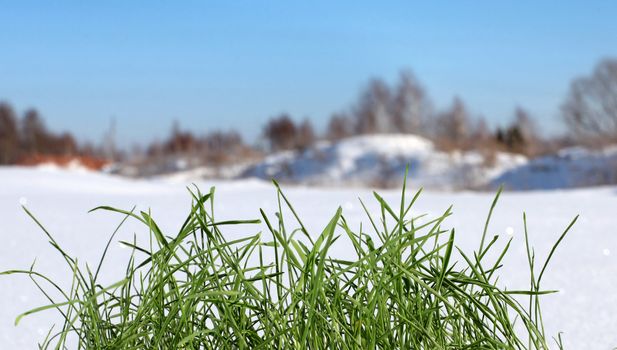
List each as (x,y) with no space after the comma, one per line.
(381,160)
(205,172)
(74,165)
(569,168)
(583,268)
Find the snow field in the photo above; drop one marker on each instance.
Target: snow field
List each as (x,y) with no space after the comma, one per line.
(583,268)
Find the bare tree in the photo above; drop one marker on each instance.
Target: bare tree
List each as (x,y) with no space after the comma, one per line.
(484,141)
(480,130)
(373,110)
(9,137)
(383,109)
(179,141)
(524,121)
(590,108)
(339,127)
(24,139)
(220,141)
(280,133)
(305,137)
(109,141)
(64,144)
(34,133)
(220,147)
(531,144)
(410,106)
(453,127)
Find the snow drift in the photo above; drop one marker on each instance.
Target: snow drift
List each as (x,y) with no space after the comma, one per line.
(380,160)
(569,168)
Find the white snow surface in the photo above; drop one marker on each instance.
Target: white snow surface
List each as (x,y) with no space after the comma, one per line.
(569,168)
(583,268)
(381,160)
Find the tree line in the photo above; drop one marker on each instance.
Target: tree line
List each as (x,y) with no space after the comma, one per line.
(405,108)
(589,112)
(27,135)
(213,148)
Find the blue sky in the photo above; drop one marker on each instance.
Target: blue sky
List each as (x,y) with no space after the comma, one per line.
(223,64)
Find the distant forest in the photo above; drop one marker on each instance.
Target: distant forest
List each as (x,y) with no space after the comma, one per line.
(589,112)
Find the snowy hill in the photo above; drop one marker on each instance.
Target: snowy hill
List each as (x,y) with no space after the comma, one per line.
(569,168)
(380,160)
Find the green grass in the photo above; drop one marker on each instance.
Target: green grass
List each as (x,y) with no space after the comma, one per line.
(408,287)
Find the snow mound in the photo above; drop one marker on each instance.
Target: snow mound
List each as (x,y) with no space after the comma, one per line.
(73,166)
(226,172)
(380,160)
(569,168)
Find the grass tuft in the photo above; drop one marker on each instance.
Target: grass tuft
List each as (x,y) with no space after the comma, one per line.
(408,287)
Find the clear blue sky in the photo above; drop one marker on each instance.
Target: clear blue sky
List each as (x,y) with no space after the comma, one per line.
(235,63)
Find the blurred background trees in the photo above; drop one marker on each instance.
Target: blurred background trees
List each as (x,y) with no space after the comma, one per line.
(411,106)
(590,108)
(589,112)
(282,133)
(339,127)
(25,137)
(403,108)
(9,135)
(452,129)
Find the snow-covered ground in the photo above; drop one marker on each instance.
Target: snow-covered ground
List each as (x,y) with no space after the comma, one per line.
(584,267)
(380,160)
(568,168)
